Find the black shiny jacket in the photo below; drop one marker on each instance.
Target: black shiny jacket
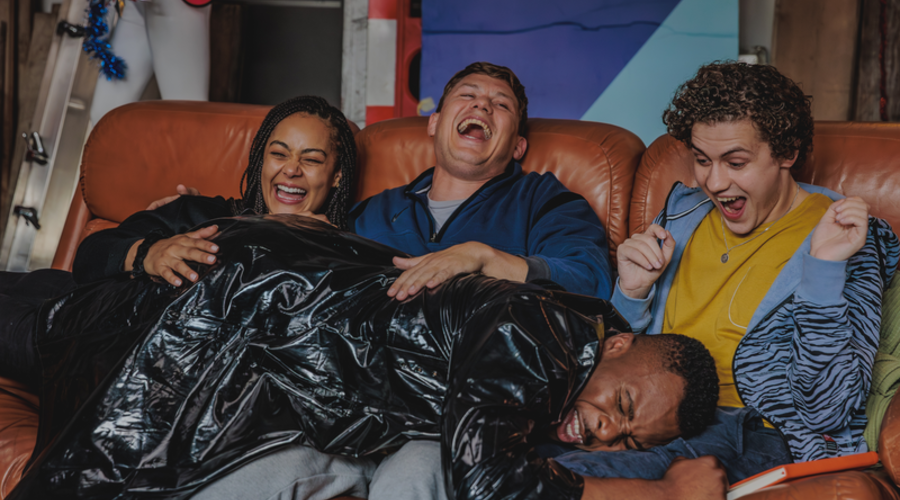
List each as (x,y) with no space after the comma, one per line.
(292,338)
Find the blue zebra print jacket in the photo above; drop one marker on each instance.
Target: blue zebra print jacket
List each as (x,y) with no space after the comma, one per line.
(806,360)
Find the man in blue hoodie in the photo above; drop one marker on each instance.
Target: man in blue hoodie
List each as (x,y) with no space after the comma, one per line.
(475,211)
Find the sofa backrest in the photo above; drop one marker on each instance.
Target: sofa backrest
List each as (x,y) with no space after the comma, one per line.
(851,158)
(138,153)
(595,160)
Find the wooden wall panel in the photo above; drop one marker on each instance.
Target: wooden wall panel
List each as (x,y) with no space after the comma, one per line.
(16,16)
(8,84)
(226,59)
(868,90)
(815,44)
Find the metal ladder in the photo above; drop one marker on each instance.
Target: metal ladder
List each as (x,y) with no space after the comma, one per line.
(49,173)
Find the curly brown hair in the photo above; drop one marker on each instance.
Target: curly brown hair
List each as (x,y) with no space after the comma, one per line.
(732,91)
(493,71)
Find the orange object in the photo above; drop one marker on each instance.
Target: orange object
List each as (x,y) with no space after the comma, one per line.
(393,53)
(803,469)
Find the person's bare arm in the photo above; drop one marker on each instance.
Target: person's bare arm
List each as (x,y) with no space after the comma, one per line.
(428,271)
(698,479)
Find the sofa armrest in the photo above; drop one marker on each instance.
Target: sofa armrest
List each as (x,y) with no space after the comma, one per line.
(847,485)
(18,432)
(78,217)
(889,440)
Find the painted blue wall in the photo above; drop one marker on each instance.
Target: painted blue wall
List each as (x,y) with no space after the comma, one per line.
(614,61)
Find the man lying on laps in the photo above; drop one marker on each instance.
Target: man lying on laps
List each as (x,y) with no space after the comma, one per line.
(291,338)
(475,211)
(781,281)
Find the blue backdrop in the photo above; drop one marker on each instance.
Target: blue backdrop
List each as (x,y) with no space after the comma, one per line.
(615,61)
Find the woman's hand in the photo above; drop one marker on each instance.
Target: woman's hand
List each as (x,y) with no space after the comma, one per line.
(642,260)
(842,231)
(167,258)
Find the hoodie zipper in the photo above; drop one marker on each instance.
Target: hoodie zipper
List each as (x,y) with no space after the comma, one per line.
(436,236)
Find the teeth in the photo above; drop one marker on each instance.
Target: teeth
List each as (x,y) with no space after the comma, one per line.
(474,121)
(726,200)
(577,427)
(290,189)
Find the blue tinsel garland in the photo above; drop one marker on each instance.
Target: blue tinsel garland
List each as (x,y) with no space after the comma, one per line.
(97,46)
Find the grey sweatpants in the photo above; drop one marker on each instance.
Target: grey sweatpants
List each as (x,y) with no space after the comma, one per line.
(302,473)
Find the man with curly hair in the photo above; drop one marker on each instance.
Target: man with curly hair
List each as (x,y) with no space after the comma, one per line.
(782,281)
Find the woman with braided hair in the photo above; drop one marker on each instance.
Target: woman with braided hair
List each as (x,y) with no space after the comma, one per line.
(302,161)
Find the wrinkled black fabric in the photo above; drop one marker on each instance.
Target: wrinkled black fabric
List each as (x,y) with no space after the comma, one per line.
(21,296)
(102,254)
(291,337)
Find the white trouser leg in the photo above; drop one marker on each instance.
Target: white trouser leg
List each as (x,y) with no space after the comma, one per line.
(412,473)
(179,41)
(293,473)
(129,41)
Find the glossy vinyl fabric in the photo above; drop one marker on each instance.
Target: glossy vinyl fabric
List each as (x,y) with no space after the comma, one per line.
(292,338)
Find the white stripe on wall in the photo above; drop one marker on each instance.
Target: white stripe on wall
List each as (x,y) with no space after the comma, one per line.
(381,62)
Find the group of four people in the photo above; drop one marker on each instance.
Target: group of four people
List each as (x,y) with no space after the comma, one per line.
(781,282)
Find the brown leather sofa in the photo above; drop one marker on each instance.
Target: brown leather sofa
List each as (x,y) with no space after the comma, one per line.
(138,153)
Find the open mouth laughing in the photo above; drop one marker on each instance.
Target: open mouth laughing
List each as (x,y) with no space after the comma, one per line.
(474,128)
(732,207)
(289,194)
(570,430)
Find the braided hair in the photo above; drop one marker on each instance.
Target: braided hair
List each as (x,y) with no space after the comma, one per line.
(340,198)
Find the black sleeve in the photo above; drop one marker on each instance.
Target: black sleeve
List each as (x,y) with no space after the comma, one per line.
(102,254)
(515,369)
